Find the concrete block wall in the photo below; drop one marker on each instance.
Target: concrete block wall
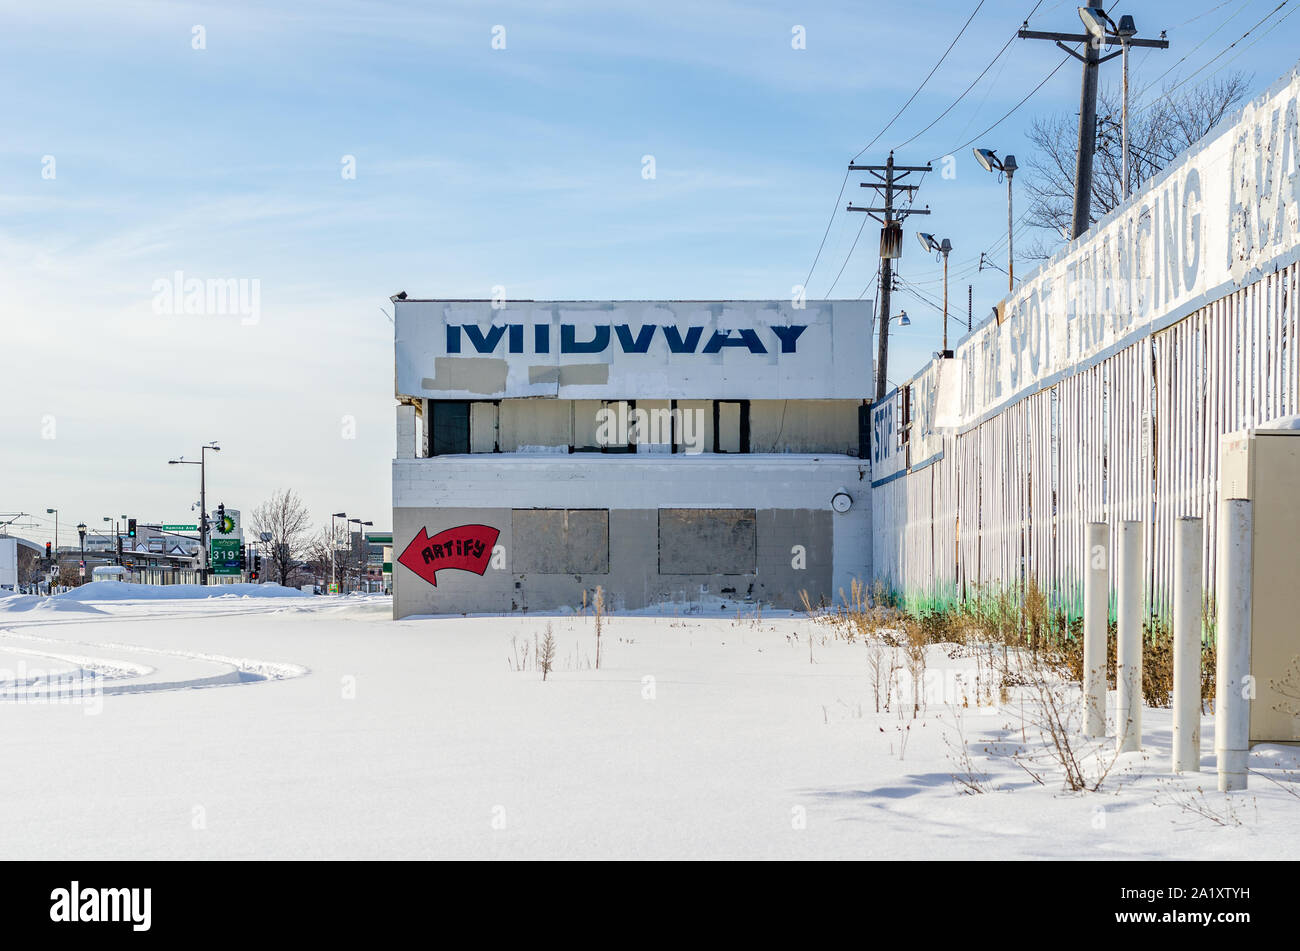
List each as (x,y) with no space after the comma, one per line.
(800,543)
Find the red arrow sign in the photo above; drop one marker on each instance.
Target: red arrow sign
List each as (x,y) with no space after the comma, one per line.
(466,547)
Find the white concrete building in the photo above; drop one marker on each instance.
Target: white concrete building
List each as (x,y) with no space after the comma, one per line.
(667,451)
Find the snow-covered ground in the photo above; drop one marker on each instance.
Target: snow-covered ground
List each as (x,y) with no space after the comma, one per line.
(248,726)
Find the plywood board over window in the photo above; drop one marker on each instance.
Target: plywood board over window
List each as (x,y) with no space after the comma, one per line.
(482,427)
(536,425)
(804,426)
(560,541)
(695,425)
(655,427)
(731,426)
(707,542)
(586,420)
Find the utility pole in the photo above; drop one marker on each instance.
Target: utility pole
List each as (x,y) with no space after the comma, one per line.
(204,567)
(970,306)
(891,242)
(1092,16)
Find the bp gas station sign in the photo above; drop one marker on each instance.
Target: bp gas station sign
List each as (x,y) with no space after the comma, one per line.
(225,556)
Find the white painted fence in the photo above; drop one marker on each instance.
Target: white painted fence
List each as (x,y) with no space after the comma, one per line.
(1102,392)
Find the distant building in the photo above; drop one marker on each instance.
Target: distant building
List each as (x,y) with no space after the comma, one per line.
(667,451)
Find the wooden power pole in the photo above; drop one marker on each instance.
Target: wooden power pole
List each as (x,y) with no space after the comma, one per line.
(1091,59)
(891,243)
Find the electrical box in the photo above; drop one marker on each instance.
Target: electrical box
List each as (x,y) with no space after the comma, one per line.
(1263,465)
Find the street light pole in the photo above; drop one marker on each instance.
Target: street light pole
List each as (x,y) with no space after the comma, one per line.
(117,557)
(81,530)
(350,521)
(203,503)
(1007,166)
(1126,30)
(334,544)
(362,554)
(55,513)
(930,243)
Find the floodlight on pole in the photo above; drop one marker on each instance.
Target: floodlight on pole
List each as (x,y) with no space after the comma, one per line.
(1007,166)
(1098,25)
(943,247)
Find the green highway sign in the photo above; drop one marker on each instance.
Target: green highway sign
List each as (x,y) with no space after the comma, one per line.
(180,528)
(225,556)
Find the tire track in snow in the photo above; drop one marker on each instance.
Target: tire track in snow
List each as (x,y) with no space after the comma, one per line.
(240,670)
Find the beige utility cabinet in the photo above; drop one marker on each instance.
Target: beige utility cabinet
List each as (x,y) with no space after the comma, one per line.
(1263,465)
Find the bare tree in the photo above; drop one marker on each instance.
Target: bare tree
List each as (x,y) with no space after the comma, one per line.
(1157,134)
(285,519)
(325,553)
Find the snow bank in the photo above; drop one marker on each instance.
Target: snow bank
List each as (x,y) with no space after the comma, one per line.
(33,602)
(126,591)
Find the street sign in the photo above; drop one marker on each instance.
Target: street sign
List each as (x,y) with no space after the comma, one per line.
(180,528)
(225,556)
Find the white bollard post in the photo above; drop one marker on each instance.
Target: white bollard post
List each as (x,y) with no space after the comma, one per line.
(1233,687)
(1096,620)
(1128,661)
(1188,536)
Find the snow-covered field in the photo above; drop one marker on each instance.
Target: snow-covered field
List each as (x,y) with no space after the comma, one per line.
(242,726)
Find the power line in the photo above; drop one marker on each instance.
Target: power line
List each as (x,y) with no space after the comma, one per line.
(826,234)
(923,82)
(1182,82)
(847,257)
(974,82)
(1008,113)
(838,197)
(1143,91)
(1243,50)
(873,280)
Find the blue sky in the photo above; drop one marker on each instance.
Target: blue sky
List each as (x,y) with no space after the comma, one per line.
(475,167)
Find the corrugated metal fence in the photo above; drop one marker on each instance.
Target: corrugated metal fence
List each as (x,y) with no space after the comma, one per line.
(1072,409)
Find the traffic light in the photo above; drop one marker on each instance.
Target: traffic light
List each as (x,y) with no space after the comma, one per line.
(243,557)
(257,563)
(221,516)
(49,551)
(130,528)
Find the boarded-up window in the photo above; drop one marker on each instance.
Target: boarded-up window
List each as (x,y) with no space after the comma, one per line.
(482,427)
(586,419)
(731,426)
(654,422)
(707,542)
(534,425)
(450,429)
(560,541)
